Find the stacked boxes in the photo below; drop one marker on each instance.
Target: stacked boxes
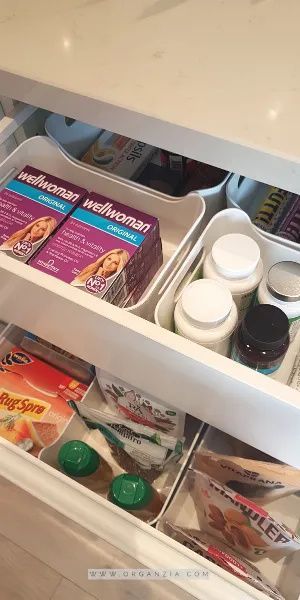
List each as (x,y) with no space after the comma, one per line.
(32,206)
(102,247)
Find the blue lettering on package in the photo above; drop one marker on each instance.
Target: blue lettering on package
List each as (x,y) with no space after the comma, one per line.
(118,231)
(39,196)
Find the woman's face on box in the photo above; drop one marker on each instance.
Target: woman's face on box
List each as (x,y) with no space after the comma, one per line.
(111,263)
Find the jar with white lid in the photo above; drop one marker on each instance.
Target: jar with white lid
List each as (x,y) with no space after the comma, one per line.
(235,262)
(281,287)
(206,314)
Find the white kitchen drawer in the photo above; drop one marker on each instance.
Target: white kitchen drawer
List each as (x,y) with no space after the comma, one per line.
(176,371)
(70,550)
(116,527)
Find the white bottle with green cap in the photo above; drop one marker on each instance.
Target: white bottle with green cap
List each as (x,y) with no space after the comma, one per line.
(281,287)
(81,462)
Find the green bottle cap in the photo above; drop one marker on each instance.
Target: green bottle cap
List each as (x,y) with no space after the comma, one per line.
(130,492)
(78,459)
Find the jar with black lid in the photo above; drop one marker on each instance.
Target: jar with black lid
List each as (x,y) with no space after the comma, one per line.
(262,339)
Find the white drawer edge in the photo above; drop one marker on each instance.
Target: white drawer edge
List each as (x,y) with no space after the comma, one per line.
(144,543)
(10,124)
(134,349)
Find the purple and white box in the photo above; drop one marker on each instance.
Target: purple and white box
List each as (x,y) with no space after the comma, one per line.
(100,247)
(32,206)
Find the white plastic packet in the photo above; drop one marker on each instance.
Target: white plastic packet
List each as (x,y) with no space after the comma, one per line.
(122,439)
(141,412)
(260,480)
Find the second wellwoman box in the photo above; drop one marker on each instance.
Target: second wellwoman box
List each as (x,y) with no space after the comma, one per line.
(100,247)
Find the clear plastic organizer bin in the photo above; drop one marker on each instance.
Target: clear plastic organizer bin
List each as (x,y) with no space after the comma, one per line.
(74,138)
(166,482)
(284,574)
(180,222)
(248,195)
(261,416)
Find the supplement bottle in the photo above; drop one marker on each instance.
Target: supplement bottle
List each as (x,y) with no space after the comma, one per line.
(206,314)
(262,339)
(281,287)
(136,495)
(235,261)
(82,463)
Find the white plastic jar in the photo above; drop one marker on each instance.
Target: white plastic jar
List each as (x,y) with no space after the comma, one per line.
(281,287)
(235,261)
(206,314)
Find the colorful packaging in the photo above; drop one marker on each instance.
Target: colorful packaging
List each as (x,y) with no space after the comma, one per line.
(141,449)
(240,523)
(32,206)
(219,554)
(264,481)
(128,295)
(118,154)
(165,426)
(290,226)
(272,209)
(34,398)
(58,358)
(100,247)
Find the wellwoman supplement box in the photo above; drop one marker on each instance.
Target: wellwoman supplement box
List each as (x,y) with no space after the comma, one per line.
(100,247)
(32,206)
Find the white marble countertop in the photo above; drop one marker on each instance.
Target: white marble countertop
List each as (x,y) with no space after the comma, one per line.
(213,79)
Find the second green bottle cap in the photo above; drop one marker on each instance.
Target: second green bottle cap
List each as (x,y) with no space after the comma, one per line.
(130,492)
(78,459)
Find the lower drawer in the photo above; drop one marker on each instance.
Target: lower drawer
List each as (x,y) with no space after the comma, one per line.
(71,550)
(109,524)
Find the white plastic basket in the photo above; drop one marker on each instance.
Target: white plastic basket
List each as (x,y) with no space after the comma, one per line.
(180,221)
(167,480)
(228,221)
(248,195)
(74,138)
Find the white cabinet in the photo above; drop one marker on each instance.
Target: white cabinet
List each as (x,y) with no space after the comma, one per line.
(197,78)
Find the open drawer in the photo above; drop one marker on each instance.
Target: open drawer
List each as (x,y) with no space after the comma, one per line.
(243,403)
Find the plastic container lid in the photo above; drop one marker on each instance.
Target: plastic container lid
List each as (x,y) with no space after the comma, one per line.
(130,492)
(265,327)
(206,303)
(283,281)
(235,255)
(78,459)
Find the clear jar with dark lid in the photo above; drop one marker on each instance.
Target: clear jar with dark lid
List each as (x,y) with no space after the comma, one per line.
(262,339)
(136,495)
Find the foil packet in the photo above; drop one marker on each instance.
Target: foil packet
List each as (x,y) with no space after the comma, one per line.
(240,523)
(219,554)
